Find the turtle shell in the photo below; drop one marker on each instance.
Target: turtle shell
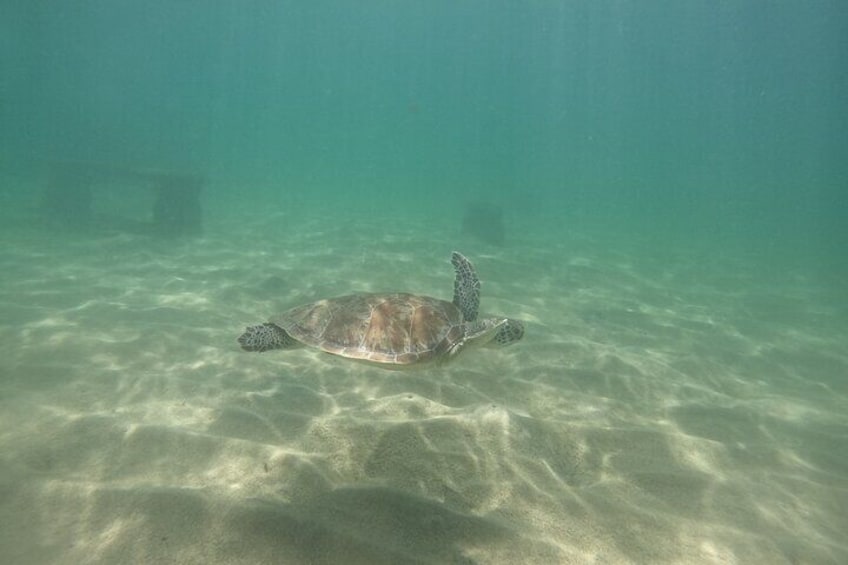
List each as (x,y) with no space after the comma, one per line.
(395,329)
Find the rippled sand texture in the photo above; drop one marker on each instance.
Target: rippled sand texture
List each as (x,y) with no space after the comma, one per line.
(661,409)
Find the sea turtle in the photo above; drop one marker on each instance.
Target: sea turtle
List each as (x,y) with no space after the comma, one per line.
(394,330)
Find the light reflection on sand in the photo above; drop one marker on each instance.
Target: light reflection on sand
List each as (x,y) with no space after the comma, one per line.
(656,412)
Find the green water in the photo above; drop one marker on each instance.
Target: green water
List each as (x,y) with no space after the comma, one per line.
(667,185)
(695,121)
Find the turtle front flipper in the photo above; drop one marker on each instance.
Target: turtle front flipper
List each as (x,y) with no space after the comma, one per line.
(265,337)
(466,287)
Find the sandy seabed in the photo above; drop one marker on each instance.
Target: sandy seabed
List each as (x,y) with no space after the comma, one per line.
(661,409)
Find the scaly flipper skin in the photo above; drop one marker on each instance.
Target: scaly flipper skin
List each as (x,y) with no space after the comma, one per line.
(266,337)
(466,287)
(509,333)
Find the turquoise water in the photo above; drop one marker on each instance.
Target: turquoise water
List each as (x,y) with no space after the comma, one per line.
(694,121)
(659,190)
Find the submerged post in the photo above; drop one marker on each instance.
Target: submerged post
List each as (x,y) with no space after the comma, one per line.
(73,187)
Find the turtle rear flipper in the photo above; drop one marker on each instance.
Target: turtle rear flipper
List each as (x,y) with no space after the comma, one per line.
(265,337)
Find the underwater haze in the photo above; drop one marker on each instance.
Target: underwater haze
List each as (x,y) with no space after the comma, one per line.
(657,190)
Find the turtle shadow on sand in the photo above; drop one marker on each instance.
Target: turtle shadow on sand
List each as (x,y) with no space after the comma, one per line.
(484,221)
(365,525)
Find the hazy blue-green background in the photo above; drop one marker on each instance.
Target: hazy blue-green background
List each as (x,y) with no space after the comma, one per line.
(722,123)
(674,180)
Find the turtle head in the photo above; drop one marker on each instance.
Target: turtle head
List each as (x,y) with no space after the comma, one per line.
(507,333)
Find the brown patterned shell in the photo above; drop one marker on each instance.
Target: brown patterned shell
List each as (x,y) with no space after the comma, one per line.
(396,329)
